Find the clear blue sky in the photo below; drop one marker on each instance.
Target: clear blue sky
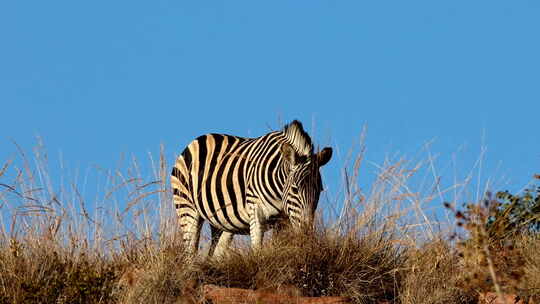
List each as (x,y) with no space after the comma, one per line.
(96,79)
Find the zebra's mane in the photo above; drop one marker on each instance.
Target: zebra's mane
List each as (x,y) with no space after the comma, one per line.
(298,138)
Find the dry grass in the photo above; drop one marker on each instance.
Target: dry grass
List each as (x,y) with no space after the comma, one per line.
(530,246)
(433,274)
(41,273)
(123,247)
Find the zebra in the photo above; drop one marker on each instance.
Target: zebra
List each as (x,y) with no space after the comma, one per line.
(244,185)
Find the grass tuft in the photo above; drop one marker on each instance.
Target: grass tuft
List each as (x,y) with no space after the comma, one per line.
(323,264)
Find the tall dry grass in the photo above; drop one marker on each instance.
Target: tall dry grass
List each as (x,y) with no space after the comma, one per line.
(123,246)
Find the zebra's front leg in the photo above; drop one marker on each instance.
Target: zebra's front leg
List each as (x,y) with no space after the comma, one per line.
(223,244)
(256,228)
(221,241)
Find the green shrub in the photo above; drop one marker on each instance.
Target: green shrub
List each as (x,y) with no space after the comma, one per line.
(516,213)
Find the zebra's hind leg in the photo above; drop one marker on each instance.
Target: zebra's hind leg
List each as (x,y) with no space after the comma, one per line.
(221,241)
(191,224)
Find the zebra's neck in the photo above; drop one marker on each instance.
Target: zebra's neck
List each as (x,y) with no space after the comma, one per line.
(269,173)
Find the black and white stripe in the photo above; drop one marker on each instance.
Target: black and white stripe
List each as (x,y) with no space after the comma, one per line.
(240,185)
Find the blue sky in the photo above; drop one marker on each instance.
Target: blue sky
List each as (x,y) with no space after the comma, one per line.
(100,79)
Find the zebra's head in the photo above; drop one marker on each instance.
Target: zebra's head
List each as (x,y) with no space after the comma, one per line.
(303,184)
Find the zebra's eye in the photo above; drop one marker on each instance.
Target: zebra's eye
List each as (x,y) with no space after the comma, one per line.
(294,189)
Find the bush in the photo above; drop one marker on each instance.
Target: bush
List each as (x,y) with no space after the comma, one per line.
(496,252)
(516,213)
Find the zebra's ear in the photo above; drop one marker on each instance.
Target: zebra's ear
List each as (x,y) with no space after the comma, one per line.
(324,156)
(288,153)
